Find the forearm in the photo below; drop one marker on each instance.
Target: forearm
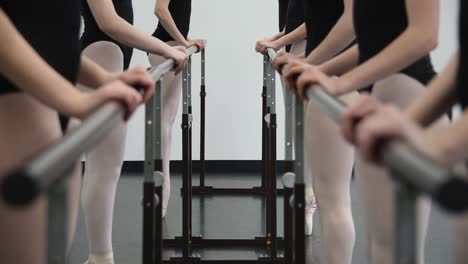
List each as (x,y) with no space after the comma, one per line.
(405,50)
(21,64)
(276,36)
(342,63)
(123,32)
(453,141)
(91,74)
(336,41)
(298,34)
(170,26)
(439,97)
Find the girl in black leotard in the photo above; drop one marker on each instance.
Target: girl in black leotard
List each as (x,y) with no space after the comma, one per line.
(328,159)
(446,146)
(109,39)
(44,64)
(394,40)
(173,28)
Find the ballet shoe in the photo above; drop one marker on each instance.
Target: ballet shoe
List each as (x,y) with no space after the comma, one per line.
(310,209)
(166,195)
(101,259)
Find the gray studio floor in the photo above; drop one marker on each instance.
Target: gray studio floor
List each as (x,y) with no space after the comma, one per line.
(224,216)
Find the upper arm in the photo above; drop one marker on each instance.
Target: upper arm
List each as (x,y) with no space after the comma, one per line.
(104,12)
(161,5)
(423,16)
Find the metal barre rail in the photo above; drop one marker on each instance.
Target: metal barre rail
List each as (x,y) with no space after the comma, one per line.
(406,163)
(23,185)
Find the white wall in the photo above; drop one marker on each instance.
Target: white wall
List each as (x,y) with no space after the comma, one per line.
(234,74)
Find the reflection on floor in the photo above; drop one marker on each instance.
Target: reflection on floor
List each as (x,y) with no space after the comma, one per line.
(228,217)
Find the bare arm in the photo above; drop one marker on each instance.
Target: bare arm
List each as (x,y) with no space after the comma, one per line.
(416,41)
(116,27)
(342,63)
(337,39)
(298,34)
(165,18)
(439,97)
(91,74)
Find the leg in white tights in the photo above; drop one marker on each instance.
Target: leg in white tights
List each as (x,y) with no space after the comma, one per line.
(331,160)
(172,88)
(297,49)
(31,128)
(103,168)
(376,187)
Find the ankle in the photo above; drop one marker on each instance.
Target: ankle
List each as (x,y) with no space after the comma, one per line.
(101,259)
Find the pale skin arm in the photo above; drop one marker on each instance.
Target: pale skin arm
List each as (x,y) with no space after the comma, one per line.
(420,37)
(91,74)
(165,18)
(298,34)
(337,39)
(342,63)
(116,27)
(439,97)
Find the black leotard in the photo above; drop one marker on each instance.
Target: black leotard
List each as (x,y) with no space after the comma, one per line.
(294,17)
(52,28)
(282,13)
(92,33)
(320,17)
(462,85)
(377,24)
(181,11)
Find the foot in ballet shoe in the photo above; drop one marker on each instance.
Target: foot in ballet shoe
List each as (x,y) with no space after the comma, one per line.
(166,195)
(101,259)
(311,207)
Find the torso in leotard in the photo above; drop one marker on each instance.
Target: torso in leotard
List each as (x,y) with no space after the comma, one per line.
(377,24)
(52,28)
(92,33)
(320,17)
(294,17)
(462,82)
(282,13)
(181,11)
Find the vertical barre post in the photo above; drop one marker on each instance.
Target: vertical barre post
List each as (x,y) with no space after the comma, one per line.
(272,160)
(148,185)
(202,121)
(57,223)
(405,225)
(186,201)
(189,76)
(289,125)
(267,163)
(299,187)
(264,128)
(158,231)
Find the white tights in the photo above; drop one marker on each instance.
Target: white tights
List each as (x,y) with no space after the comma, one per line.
(376,187)
(103,167)
(171,91)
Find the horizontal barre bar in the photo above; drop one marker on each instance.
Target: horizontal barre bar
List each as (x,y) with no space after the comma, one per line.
(24,184)
(405,163)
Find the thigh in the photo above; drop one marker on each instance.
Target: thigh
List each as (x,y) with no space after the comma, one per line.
(27,127)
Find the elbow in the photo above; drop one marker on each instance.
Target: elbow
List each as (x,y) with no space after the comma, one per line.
(428,39)
(431,42)
(108,27)
(159,12)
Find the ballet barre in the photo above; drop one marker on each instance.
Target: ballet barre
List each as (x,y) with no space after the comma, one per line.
(153,176)
(414,174)
(47,172)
